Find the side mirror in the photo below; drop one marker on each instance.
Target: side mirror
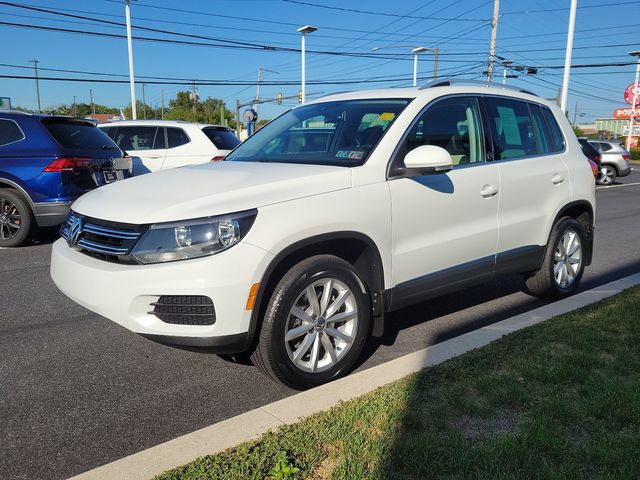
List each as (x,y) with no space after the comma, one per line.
(428,159)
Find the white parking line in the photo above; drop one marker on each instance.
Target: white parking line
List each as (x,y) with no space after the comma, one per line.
(617,186)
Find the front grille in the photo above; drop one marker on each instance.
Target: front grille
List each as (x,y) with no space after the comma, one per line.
(102,239)
(184,310)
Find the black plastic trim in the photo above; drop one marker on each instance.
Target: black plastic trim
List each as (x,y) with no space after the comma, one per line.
(51,214)
(520,260)
(221,344)
(441,282)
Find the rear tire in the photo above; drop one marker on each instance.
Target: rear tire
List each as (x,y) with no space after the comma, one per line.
(607,175)
(563,264)
(315,325)
(17,223)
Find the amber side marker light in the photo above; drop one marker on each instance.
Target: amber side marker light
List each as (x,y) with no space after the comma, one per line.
(252,296)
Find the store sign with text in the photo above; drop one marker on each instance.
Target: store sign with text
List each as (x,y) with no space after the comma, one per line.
(625,113)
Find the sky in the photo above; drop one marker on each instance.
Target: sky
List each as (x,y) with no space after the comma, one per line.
(531,33)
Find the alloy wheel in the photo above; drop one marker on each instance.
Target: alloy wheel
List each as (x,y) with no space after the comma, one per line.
(321,325)
(10,220)
(606,176)
(567,259)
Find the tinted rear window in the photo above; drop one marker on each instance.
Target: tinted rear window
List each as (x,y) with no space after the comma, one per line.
(221,138)
(9,132)
(77,135)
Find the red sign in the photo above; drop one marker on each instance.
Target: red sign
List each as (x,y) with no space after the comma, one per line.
(625,113)
(628,93)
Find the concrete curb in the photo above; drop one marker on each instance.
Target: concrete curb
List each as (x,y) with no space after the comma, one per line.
(250,425)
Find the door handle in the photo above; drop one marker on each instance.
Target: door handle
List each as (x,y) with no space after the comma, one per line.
(155,157)
(488,191)
(557,179)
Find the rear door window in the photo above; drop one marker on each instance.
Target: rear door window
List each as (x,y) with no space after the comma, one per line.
(9,132)
(514,135)
(136,138)
(176,137)
(74,134)
(221,137)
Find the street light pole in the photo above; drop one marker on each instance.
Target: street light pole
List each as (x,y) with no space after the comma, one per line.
(131,76)
(35,66)
(304,30)
(415,52)
(636,87)
(567,59)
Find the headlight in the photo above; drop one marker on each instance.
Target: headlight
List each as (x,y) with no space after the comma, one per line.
(192,238)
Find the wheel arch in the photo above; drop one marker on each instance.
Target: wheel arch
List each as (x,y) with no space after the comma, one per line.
(582,211)
(6,183)
(354,247)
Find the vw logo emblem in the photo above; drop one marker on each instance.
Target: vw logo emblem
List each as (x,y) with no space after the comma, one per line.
(75,229)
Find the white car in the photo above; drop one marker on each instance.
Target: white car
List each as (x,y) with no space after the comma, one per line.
(161,144)
(295,247)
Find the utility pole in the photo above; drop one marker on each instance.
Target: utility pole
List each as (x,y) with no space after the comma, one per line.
(132,84)
(222,113)
(162,114)
(195,97)
(575,114)
(567,58)
(494,30)
(74,109)
(144,104)
(93,107)
(35,66)
(238,118)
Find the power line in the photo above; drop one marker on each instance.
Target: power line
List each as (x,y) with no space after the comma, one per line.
(561,9)
(383,14)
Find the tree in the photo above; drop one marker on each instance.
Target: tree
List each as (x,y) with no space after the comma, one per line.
(578,131)
(142,111)
(206,111)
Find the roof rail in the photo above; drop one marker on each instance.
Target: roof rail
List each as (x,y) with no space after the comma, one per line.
(446,82)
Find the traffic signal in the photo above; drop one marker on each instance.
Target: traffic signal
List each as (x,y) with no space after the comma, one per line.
(300,96)
(279,99)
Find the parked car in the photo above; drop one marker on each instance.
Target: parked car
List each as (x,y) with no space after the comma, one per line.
(46,162)
(161,144)
(296,246)
(614,162)
(593,156)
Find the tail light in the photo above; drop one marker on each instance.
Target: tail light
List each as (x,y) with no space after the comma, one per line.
(597,158)
(625,157)
(594,167)
(68,163)
(217,158)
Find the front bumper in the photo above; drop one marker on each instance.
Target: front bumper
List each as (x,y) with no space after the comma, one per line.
(124,293)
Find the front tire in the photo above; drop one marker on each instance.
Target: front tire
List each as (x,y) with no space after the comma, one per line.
(17,223)
(316,323)
(563,264)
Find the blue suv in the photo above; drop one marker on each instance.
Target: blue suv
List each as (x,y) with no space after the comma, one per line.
(46,162)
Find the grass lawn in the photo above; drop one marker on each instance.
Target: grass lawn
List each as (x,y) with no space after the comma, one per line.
(559,400)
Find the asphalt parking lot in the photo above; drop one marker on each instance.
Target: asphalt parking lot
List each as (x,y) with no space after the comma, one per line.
(78,391)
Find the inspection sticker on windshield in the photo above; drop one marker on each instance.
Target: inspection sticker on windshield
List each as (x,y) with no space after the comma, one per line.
(351,154)
(387,116)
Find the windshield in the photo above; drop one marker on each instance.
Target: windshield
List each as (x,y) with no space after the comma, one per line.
(339,133)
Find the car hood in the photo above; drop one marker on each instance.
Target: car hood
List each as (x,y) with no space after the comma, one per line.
(208,189)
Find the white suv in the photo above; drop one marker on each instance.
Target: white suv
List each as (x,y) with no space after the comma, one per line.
(161,144)
(294,248)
